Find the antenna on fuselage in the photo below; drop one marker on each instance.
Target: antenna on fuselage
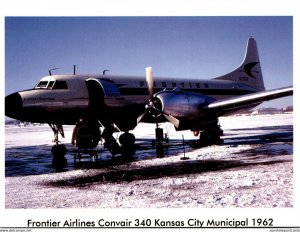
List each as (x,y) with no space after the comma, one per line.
(50,71)
(104,71)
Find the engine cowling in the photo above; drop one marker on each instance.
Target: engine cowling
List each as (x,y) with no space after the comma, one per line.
(187,107)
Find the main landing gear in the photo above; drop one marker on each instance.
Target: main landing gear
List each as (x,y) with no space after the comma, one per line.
(87,134)
(126,145)
(127,142)
(110,143)
(210,136)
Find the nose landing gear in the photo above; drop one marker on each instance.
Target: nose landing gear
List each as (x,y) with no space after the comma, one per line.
(58,150)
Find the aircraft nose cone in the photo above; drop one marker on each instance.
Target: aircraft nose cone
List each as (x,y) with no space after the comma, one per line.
(13,105)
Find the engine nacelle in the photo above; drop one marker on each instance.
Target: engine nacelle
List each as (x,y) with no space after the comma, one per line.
(187,107)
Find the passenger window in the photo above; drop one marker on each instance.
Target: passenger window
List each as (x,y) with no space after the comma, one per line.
(60,85)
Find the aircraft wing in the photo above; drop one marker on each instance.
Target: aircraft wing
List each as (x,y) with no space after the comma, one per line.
(235,103)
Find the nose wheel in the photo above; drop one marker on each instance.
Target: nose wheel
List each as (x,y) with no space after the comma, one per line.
(59,150)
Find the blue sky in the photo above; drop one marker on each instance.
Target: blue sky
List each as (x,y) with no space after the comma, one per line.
(193,47)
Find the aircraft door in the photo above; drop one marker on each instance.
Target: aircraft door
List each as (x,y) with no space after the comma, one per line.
(98,107)
(99,90)
(96,95)
(109,87)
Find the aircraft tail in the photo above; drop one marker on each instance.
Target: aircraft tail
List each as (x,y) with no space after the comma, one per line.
(249,72)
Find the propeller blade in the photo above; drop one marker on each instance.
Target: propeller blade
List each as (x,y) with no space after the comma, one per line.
(172,119)
(150,81)
(150,108)
(140,117)
(150,84)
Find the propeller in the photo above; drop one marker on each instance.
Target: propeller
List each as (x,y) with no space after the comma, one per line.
(150,82)
(150,107)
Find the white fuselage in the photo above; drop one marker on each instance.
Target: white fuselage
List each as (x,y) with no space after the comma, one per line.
(133,90)
(64,99)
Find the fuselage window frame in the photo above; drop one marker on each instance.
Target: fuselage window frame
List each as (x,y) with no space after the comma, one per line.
(42,85)
(50,85)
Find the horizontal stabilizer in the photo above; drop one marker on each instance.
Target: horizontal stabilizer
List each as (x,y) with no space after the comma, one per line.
(249,99)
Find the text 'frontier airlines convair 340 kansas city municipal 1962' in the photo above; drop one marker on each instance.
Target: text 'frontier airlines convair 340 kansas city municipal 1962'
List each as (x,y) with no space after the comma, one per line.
(99,105)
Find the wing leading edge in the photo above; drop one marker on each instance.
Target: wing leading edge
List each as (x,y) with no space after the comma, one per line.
(236,103)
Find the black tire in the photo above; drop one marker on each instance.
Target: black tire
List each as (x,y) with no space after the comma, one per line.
(127,141)
(59,163)
(59,150)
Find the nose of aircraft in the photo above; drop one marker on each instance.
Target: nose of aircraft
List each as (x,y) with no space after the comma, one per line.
(13,105)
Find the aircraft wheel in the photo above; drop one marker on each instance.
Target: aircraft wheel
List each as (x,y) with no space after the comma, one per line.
(211,137)
(59,150)
(59,163)
(127,141)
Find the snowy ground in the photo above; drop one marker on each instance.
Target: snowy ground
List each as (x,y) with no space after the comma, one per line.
(254,168)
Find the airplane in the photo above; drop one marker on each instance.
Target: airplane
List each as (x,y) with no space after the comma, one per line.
(99,105)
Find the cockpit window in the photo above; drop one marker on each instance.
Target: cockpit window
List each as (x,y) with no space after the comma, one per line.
(60,85)
(42,85)
(51,85)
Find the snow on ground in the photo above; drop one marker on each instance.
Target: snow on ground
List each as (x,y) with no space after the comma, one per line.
(254,168)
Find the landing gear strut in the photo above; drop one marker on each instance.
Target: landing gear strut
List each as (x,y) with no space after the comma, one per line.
(58,149)
(159,133)
(110,142)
